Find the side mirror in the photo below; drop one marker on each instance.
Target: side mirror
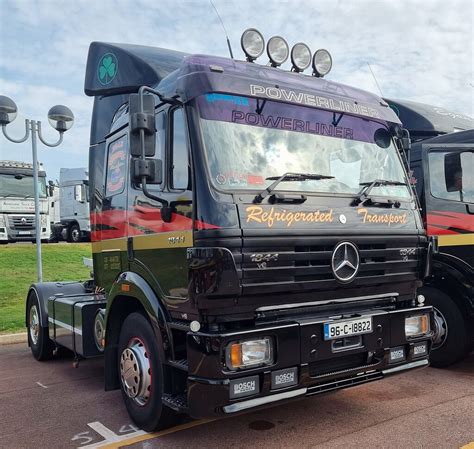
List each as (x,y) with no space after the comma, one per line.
(406,141)
(79,193)
(453,172)
(142,118)
(152,169)
(50,190)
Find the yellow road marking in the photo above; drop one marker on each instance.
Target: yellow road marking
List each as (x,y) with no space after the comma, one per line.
(162,433)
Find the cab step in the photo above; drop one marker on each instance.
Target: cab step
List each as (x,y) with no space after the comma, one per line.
(179,325)
(180,364)
(177,402)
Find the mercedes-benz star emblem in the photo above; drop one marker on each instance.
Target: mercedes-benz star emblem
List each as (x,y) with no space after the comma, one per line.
(345,261)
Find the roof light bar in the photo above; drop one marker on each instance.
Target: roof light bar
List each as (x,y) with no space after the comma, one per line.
(322,63)
(277,50)
(252,43)
(300,57)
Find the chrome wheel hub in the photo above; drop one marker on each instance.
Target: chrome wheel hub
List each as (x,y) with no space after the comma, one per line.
(99,331)
(135,371)
(440,329)
(34,324)
(75,234)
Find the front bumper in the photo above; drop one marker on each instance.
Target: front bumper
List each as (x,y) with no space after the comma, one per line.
(301,349)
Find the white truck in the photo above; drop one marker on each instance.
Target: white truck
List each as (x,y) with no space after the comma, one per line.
(17,206)
(74,204)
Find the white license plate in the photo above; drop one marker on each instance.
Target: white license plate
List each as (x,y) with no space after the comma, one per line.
(24,232)
(338,329)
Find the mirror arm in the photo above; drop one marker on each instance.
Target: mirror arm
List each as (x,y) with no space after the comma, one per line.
(163,99)
(150,195)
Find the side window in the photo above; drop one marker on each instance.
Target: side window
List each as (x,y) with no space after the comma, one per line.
(451,175)
(116,167)
(160,136)
(179,152)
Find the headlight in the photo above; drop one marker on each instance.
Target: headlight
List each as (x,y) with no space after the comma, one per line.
(322,63)
(2,221)
(249,353)
(277,50)
(417,325)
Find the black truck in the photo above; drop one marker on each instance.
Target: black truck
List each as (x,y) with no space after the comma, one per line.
(255,238)
(442,167)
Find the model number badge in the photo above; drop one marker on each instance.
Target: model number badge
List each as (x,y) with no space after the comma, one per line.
(176,240)
(264,257)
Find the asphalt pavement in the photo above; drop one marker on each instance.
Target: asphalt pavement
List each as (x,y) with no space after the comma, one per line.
(54,405)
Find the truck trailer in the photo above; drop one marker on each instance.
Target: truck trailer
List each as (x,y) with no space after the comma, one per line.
(442,166)
(17,207)
(255,238)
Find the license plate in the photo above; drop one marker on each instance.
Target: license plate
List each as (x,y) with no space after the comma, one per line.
(338,329)
(24,232)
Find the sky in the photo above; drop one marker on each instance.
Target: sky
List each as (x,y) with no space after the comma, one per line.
(419,50)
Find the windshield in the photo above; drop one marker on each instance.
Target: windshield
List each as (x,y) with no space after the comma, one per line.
(248,140)
(20,186)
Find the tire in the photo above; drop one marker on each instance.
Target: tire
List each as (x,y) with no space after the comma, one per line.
(38,339)
(142,388)
(450,343)
(74,233)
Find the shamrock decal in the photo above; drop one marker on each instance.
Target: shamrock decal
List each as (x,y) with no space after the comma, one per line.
(108,66)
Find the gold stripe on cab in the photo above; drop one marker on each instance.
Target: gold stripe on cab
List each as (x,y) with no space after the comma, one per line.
(174,239)
(119,244)
(456,240)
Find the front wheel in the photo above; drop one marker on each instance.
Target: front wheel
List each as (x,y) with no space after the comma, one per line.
(142,376)
(450,339)
(74,234)
(38,339)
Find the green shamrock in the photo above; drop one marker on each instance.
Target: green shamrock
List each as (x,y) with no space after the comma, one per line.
(107,68)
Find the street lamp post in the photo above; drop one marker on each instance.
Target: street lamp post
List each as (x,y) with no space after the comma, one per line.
(61,119)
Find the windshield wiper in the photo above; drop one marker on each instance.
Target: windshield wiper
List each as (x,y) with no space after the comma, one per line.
(368,186)
(287,177)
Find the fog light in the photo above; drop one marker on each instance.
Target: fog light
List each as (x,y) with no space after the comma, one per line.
(249,353)
(277,50)
(417,325)
(322,63)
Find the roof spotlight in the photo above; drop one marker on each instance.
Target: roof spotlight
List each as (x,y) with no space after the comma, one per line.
(277,50)
(300,57)
(322,63)
(252,43)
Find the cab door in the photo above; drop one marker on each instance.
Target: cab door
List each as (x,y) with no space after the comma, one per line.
(449,193)
(110,212)
(159,247)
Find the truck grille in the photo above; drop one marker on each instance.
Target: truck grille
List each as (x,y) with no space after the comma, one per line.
(338,364)
(304,263)
(22,222)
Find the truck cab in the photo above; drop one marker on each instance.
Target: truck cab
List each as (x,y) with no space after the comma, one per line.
(442,167)
(17,208)
(255,238)
(74,203)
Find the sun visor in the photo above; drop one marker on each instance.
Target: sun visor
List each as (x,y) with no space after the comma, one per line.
(122,68)
(422,119)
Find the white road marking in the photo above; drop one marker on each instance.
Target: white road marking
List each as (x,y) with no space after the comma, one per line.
(41,385)
(110,436)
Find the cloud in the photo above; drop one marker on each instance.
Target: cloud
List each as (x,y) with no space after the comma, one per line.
(418,50)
